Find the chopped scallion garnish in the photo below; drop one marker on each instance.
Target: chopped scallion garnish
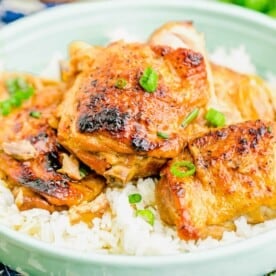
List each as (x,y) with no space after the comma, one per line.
(83,172)
(147,215)
(16,100)
(162,135)
(35,114)
(190,117)
(121,83)
(134,198)
(269,129)
(149,80)
(176,168)
(215,118)
(13,85)
(19,91)
(5,107)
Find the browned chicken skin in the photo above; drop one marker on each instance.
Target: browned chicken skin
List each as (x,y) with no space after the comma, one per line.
(30,155)
(113,130)
(235,176)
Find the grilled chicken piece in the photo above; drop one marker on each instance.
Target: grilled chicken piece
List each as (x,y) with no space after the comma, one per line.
(235,176)
(30,154)
(247,95)
(26,199)
(183,35)
(115,130)
(240,97)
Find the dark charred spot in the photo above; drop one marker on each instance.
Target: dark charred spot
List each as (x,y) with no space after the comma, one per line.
(194,59)
(201,141)
(95,100)
(257,134)
(242,149)
(254,143)
(53,163)
(220,134)
(52,187)
(141,144)
(42,136)
(60,147)
(243,141)
(261,131)
(243,146)
(110,119)
(252,131)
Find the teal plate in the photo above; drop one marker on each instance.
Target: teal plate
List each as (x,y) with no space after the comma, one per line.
(29,44)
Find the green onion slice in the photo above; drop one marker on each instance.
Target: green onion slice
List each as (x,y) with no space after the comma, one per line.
(215,118)
(134,198)
(5,107)
(26,93)
(35,114)
(147,215)
(19,91)
(121,83)
(15,100)
(149,80)
(178,172)
(162,135)
(83,172)
(13,85)
(269,129)
(190,117)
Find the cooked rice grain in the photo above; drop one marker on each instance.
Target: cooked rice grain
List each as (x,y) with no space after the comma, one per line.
(118,231)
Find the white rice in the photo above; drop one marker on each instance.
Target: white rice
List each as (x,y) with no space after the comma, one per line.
(119,231)
(235,58)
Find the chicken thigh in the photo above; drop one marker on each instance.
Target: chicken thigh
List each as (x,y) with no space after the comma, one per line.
(39,171)
(122,131)
(239,96)
(222,175)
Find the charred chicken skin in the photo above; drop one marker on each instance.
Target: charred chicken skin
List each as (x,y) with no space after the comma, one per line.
(234,176)
(31,157)
(116,130)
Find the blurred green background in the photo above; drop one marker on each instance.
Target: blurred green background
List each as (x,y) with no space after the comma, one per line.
(265,6)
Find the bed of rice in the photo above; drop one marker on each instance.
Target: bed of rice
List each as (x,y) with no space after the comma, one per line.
(120,231)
